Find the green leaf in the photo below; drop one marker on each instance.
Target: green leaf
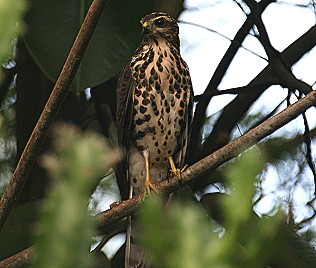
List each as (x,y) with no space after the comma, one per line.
(11,25)
(241,175)
(179,236)
(54,24)
(65,228)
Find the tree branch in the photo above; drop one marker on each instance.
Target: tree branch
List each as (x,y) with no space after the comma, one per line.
(20,259)
(212,161)
(59,92)
(237,108)
(281,67)
(216,79)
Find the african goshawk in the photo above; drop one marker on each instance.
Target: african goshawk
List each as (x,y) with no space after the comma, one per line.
(154,112)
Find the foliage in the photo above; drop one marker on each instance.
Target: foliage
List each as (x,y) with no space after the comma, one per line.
(7,138)
(181,235)
(65,228)
(11,25)
(11,13)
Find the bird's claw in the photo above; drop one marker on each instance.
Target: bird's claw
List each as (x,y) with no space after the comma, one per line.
(175,171)
(149,186)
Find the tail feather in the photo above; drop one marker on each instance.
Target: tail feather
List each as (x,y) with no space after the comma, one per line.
(128,241)
(135,256)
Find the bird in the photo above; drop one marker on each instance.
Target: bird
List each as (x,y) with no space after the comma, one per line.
(154,114)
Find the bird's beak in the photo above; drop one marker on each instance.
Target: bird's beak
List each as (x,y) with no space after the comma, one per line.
(145,29)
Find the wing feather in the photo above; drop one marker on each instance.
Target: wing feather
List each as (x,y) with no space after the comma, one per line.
(123,120)
(186,131)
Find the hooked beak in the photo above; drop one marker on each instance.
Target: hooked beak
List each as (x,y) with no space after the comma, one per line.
(145,29)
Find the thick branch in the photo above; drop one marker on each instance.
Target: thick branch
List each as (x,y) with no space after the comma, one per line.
(214,160)
(20,259)
(60,90)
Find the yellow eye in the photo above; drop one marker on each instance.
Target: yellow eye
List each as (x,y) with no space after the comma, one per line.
(161,22)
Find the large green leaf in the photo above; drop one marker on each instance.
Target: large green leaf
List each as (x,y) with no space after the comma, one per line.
(53,26)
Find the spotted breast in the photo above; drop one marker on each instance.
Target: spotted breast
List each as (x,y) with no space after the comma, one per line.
(160,102)
(154,112)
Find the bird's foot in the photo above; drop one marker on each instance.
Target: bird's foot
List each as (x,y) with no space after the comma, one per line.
(175,171)
(149,185)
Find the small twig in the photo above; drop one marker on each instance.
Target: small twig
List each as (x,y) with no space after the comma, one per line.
(59,92)
(222,35)
(269,115)
(236,90)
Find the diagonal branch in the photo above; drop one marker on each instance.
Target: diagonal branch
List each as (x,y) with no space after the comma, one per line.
(219,73)
(20,259)
(233,112)
(59,92)
(281,67)
(214,160)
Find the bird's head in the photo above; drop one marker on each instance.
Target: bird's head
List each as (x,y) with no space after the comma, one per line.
(160,24)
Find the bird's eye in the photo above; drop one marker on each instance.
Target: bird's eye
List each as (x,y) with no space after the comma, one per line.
(161,22)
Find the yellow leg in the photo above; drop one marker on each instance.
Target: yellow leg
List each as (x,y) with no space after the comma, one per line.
(148,183)
(175,171)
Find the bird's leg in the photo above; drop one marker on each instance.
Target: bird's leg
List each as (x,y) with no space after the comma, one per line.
(148,183)
(175,171)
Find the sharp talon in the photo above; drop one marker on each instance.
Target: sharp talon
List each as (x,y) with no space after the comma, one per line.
(175,171)
(149,186)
